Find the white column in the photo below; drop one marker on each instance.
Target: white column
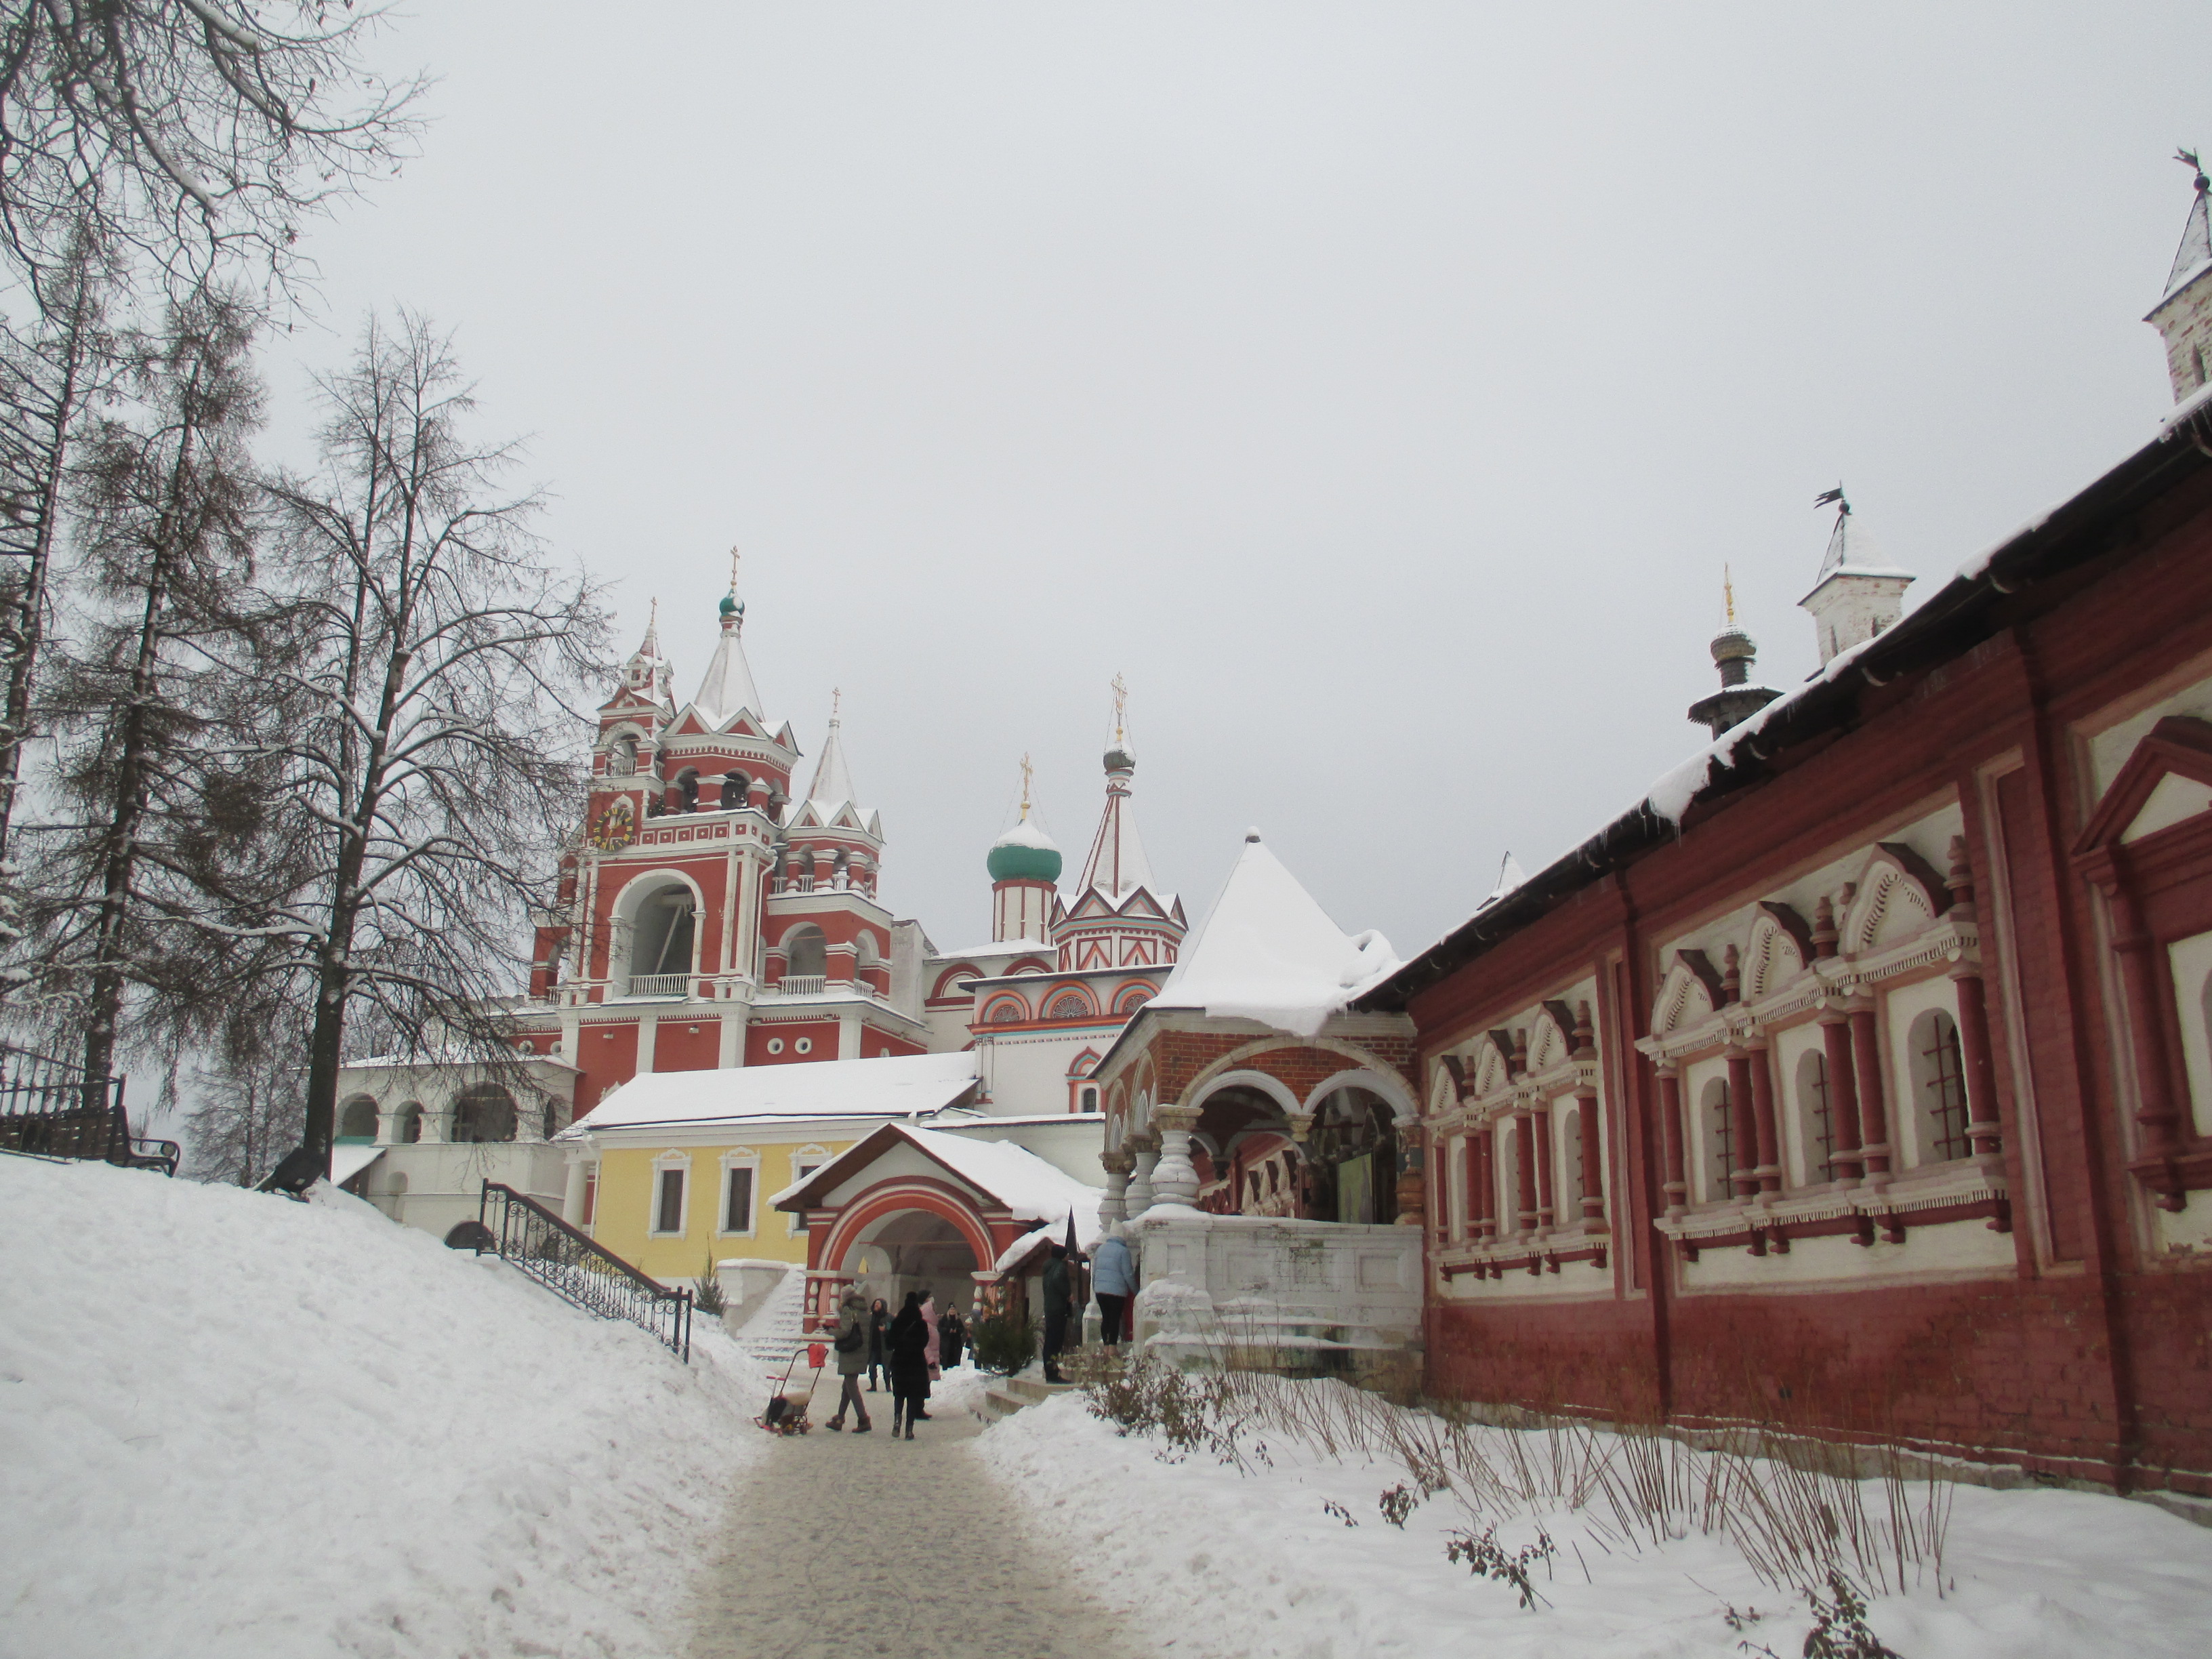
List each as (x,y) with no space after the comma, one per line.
(1175,1177)
(1137,1198)
(848,1036)
(571,1199)
(438,1124)
(647,1026)
(387,1125)
(1115,1207)
(730,1049)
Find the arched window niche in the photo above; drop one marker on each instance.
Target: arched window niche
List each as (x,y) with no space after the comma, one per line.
(484,1113)
(357,1119)
(662,933)
(1716,1137)
(1816,1127)
(1939,1089)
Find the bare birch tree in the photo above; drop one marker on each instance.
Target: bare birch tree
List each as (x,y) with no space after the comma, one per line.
(428,724)
(163,806)
(183,131)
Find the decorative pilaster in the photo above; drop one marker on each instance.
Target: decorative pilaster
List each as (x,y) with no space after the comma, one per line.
(2155,1113)
(1982,1130)
(1676,1185)
(1843,1098)
(1539,1123)
(1175,1177)
(1593,1169)
(1873,1116)
(1762,1116)
(1524,1160)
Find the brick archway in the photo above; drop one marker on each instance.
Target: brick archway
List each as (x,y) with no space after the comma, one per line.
(829,1244)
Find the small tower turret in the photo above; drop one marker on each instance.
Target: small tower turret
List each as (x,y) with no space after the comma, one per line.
(2182,316)
(1024,866)
(1859,593)
(1734,653)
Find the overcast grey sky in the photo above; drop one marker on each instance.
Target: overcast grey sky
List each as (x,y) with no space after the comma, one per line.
(1380,387)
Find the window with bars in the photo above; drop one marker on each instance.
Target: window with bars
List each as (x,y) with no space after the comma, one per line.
(1815,1118)
(1720,1141)
(1939,1078)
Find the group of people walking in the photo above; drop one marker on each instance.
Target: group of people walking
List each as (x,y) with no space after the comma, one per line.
(908,1350)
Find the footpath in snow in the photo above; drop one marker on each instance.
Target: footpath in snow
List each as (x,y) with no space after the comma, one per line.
(1207,1563)
(843,1545)
(231,1425)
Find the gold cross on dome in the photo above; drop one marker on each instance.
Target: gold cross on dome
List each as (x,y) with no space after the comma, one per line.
(733,570)
(1025,786)
(1728,593)
(1121,703)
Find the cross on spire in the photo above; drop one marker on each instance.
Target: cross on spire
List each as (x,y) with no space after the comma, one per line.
(1120,704)
(1728,593)
(1025,788)
(733,569)
(836,702)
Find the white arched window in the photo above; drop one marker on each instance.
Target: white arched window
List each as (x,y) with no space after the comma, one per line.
(357,1119)
(1567,1167)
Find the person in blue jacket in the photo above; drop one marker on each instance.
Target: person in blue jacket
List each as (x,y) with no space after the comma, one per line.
(1113,1282)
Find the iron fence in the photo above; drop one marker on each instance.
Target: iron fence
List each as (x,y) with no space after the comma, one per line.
(565,1262)
(52,1108)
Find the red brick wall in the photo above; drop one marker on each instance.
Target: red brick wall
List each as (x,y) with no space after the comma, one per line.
(686,1045)
(823,1031)
(2089,1359)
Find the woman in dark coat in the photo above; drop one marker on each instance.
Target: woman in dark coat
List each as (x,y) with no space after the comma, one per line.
(880,1320)
(952,1337)
(909,1342)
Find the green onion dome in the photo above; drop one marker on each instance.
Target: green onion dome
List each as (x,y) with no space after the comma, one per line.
(1025,853)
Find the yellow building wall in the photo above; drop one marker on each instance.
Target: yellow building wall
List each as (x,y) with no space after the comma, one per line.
(628,1181)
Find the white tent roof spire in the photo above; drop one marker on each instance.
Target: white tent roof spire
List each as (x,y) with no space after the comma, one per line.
(833,779)
(728,687)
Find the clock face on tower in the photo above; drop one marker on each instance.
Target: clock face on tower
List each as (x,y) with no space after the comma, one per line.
(615,826)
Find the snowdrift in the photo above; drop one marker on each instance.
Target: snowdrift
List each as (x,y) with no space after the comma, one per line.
(234,1424)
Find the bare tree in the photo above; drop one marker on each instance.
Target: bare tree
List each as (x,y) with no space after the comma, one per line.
(248,1110)
(165,812)
(184,130)
(49,372)
(426,722)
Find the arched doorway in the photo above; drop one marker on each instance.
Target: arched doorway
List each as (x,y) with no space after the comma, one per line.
(1242,1151)
(1354,1147)
(912,1251)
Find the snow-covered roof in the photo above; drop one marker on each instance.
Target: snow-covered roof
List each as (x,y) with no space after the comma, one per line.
(2194,254)
(832,787)
(1030,1187)
(452,1056)
(1267,951)
(1852,552)
(1003,947)
(728,688)
(903,1086)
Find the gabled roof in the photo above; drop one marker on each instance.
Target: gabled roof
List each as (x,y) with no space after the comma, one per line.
(905,1086)
(1024,1184)
(1267,951)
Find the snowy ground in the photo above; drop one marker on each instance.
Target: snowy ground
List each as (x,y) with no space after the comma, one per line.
(232,1425)
(1211,1563)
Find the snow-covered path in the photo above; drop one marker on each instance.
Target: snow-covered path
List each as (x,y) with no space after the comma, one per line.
(843,1545)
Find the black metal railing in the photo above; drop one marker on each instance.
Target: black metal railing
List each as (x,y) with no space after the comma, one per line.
(51,1108)
(565,1262)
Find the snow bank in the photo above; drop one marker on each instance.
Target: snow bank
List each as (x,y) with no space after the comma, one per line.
(231,1425)
(1267,951)
(1215,1565)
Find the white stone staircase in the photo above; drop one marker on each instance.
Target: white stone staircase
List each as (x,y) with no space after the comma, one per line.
(777,1331)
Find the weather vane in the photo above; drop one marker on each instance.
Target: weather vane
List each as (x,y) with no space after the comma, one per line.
(1843,505)
(2188,159)
(1120,702)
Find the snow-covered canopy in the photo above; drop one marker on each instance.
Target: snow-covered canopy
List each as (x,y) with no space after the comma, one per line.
(907,1086)
(1267,951)
(1852,552)
(1030,1189)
